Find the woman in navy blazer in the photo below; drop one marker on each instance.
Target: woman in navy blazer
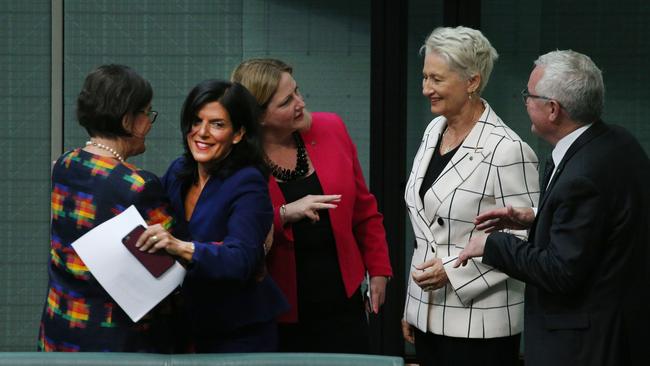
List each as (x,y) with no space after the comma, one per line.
(219,193)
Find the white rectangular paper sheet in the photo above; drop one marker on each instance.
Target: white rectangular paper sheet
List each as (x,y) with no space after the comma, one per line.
(125,279)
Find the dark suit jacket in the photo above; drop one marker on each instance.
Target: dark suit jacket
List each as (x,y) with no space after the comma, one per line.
(228,226)
(586,259)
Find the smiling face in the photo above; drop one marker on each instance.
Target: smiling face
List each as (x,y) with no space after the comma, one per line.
(286,109)
(211,137)
(445,88)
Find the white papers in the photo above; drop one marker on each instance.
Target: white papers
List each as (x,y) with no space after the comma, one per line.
(125,279)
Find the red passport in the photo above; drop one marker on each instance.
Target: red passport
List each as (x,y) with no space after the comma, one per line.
(156,263)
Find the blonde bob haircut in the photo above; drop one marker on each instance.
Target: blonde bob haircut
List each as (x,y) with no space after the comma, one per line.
(261,76)
(466,51)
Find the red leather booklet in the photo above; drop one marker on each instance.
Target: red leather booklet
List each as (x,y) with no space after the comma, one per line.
(156,263)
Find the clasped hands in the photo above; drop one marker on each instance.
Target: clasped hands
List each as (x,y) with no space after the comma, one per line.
(430,275)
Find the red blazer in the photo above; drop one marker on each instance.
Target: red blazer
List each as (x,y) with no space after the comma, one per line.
(357,225)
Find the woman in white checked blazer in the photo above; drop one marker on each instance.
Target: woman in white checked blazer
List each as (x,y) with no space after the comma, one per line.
(469,162)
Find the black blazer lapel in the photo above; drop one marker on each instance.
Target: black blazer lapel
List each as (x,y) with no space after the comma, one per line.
(597,129)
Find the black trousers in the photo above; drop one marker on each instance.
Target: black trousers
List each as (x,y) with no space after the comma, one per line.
(436,350)
(259,337)
(338,326)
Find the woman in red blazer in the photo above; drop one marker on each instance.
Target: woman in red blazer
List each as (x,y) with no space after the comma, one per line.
(328,232)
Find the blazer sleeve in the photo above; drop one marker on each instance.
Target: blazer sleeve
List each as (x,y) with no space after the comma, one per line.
(238,256)
(281,232)
(575,240)
(152,202)
(515,182)
(367,222)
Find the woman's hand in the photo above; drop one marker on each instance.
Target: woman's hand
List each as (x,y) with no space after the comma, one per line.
(308,207)
(156,238)
(377,293)
(408,332)
(268,241)
(431,275)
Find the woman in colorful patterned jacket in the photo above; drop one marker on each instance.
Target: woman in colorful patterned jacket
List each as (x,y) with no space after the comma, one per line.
(89,186)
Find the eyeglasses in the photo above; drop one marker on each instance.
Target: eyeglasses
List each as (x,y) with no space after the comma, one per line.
(525,95)
(151,115)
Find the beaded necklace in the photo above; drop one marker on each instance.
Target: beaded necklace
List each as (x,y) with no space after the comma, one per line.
(302,164)
(107,148)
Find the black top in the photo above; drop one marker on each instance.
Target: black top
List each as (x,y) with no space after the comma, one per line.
(317,266)
(436,165)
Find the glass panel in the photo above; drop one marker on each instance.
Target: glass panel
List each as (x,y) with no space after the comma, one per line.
(25,180)
(613,34)
(173,44)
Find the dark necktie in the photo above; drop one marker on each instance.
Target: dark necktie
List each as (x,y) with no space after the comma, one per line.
(548,170)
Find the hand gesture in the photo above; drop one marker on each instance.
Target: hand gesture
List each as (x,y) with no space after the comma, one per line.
(308,207)
(474,248)
(505,218)
(430,275)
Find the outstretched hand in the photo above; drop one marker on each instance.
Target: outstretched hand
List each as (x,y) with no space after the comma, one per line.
(309,206)
(474,248)
(517,218)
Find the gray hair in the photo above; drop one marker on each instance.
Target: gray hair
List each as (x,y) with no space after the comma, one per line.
(575,82)
(466,51)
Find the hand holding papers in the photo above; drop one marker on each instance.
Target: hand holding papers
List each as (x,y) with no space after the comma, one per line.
(125,279)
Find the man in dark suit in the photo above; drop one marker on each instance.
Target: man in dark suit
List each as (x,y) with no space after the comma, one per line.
(585,262)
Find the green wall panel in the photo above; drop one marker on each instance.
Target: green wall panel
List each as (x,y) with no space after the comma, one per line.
(24,179)
(173,44)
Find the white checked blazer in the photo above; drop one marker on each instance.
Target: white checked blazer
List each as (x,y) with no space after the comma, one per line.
(492,168)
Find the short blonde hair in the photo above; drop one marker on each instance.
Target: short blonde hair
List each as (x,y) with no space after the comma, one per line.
(466,51)
(261,76)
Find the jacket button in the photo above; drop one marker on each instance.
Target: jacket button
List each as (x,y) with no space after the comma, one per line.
(440,221)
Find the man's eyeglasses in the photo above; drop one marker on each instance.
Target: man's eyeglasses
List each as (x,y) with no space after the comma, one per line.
(151,115)
(525,95)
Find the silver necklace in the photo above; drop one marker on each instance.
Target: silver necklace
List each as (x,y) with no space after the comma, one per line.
(107,148)
(445,148)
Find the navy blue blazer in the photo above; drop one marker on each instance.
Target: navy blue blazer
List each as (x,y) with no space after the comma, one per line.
(228,226)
